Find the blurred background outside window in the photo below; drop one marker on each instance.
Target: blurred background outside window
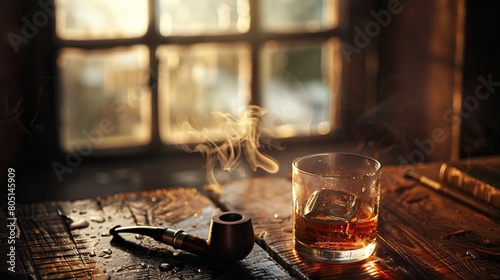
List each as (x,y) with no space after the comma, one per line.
(134,73)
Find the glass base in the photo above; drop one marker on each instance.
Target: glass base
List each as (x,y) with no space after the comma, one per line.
(333,256)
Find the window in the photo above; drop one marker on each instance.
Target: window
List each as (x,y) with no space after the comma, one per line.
(135,73)
(105,98)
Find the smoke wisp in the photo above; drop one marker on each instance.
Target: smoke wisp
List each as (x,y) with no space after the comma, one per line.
(233,139)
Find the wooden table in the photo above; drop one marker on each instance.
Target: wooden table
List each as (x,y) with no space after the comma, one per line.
(422,235)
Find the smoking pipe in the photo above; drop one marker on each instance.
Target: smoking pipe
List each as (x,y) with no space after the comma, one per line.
(230,238)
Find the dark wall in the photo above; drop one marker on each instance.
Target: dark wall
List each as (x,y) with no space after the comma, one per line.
(480,130)
(28,127)
(11,104)
(416,81)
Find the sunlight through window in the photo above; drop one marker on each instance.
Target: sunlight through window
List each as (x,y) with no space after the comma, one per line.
(199,80)
(105,99)
(194,17)
(300,86)
(131,74)
(101,19)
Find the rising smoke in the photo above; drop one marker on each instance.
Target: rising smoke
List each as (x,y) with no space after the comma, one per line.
(235,138)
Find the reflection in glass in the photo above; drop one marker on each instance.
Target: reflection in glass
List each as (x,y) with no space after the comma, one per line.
(300,87)
(197,80)
(101,19)
(105,100)
(299,15)
(195,17)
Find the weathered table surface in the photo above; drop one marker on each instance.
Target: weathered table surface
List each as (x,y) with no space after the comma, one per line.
(70,239)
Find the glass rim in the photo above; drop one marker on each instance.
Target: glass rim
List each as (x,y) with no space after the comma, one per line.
(377,166)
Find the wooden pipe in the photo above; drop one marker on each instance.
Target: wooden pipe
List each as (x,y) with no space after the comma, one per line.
(230,238)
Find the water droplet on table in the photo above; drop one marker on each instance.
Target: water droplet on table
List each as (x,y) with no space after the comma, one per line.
(130,267)
(174,267)
(480,254)
(166,266)
(107,251)
(97,219)
(78,224)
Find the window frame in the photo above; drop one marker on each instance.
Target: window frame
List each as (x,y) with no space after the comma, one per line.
(256,37)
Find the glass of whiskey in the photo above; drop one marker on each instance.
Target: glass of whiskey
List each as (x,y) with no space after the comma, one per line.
(336,198)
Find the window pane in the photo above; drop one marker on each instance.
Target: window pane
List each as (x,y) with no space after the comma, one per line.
(198,80)
(195,17)
(101,19)
(105,100)
(300,87)
(299,15)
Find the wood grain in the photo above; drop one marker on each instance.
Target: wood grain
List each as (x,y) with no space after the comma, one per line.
(52,250)
(422,235)
(412,221)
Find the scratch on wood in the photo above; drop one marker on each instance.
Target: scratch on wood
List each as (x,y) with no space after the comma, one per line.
(460,232)
(417,199)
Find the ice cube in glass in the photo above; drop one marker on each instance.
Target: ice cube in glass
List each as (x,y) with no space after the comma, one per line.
(331,206)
